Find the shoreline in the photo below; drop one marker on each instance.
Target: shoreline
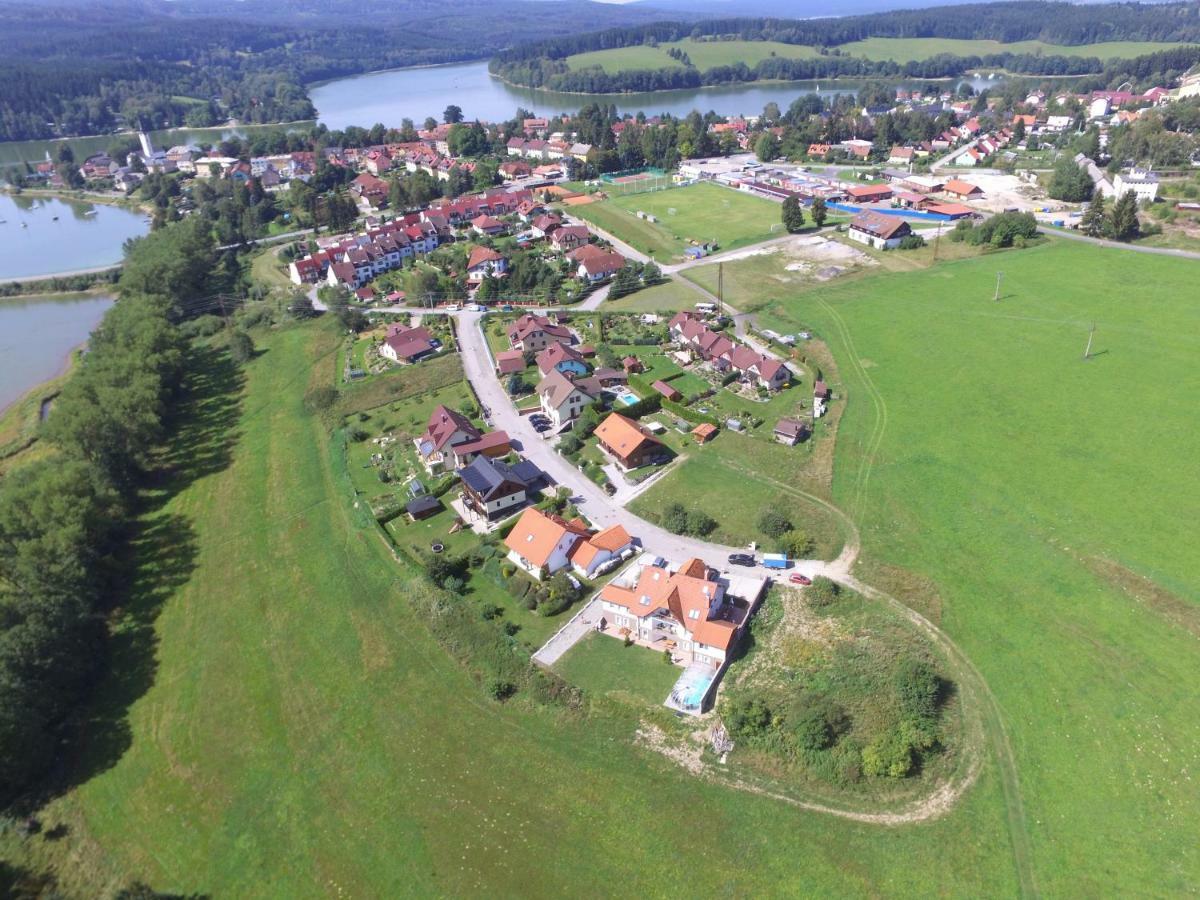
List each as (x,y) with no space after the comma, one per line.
(82,294)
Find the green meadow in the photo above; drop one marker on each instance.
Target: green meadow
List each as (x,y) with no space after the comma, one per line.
(904,50)
(1047,503)
(703,54)
(710,54)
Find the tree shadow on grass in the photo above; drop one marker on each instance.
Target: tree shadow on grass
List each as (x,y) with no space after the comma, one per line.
(158,560)
(205,426)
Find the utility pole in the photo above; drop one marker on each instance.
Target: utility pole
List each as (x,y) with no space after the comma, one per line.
(720,289)
(996,297)
(1087,353)
(937,239)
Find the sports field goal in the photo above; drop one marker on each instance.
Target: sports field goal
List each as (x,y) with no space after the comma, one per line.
(636,181)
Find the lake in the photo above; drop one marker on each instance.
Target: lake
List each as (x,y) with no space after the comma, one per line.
(37,335)
(61,235)
(397,94)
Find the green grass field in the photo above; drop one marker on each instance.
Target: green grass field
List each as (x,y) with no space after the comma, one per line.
(698,212)
(709,54)
(280,723)
(703,54)
(603,665)
(1046,498)
(904,50)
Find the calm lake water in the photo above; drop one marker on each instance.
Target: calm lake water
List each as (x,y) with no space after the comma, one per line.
(390,96)
(37,335)
(61,235)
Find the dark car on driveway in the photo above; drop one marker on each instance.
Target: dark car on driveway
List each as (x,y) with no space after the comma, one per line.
(741,559)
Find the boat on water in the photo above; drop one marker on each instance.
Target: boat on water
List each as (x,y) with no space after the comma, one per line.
(55,219)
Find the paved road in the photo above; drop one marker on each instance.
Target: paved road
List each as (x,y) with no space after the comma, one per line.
(1117,245)
(591,500)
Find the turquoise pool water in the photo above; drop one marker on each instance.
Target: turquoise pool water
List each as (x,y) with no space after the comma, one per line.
(691,687)
(628,398)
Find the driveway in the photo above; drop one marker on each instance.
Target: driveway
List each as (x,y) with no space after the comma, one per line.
(570,634)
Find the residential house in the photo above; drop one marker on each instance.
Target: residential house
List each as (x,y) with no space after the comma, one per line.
(493,490)
(596,554)
(595,269)
(901,156)
(541,226)
(488,225)
(484,262)
(686,607)
(562,398)
(880,232)
(515,169)
(446,428)
(629,443)
(493,444)
(407,345)
(563,358)
(532,333)
(791,431)
(541,543)
(566,238)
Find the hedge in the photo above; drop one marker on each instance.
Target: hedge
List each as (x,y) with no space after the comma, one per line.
(690,415)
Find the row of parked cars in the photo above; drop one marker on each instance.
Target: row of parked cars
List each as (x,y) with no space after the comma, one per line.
(747,559)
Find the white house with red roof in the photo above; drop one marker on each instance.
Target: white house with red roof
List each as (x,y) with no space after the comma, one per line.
(682,610)
(484,262)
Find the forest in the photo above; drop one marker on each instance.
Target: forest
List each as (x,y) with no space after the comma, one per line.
(543,64)
(72,68)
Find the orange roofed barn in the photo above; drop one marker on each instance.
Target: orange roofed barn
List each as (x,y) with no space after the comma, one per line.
(631,445)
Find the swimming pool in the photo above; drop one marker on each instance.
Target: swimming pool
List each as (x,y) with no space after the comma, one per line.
(628,398)
(691,688)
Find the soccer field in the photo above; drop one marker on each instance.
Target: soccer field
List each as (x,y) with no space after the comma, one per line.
(699,213)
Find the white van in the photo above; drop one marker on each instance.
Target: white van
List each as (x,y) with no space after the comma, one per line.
(706,308)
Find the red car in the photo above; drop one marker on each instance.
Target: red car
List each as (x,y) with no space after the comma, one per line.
(797,578)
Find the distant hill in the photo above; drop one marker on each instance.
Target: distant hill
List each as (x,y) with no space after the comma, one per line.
(1025,36)
(73,67)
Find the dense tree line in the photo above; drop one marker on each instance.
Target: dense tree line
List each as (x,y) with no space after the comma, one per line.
(62,519)
(75,67)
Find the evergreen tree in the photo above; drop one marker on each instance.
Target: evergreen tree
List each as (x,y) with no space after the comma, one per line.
(819,212)
(793,215)
(1123,219)
(1095,219)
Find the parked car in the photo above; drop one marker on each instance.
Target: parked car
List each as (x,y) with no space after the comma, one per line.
(453,307)
(741,559)
(797,578)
